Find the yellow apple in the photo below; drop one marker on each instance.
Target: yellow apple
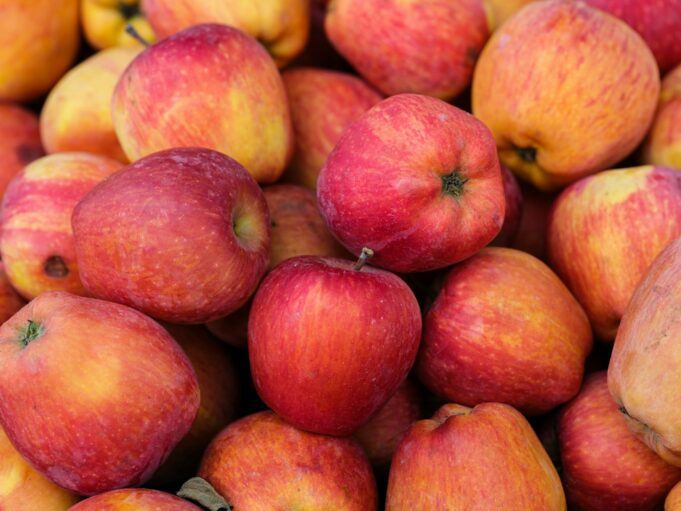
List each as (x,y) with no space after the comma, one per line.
(104,23)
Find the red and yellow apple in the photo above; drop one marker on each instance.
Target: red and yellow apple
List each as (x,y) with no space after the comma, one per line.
(417,181)
(209,86)
(10,301)
(19,141)
(605,230)
(36,238)
(137,499)
(105,22)
(663,145)
(531,234)
(94,394)
(498,11)
(182,235)
(554,125)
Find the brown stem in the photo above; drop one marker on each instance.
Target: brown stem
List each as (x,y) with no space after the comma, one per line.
(364,256)
(134,33)
(201,492)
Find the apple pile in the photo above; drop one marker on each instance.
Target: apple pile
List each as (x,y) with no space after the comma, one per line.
(340,254)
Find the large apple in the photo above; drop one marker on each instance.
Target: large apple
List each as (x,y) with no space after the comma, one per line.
(93,394)
(323,104)
(475,459)
(426,47)
(77,113)
(38,42)
(135,500)
(605,230)
(604,466)
(261,462)
(22,488)
(36,239)
(281,26)
(417,181)
(504,328)
(663,145)
(182,235)
(105,23)
(566,89)
(330,342)
(208,86)
(19,141)
(644,375)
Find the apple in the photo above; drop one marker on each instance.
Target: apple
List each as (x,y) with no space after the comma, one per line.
(663,144)
(604,466)
(105,22)
(137,499)
(605,230)
(475,459)
(329,343)
(658,23)
(19,141)
(182,235)
(232,329)
(607,82)
(208,86)
(504,328)
(261,462)
(323,104)
(498,11)
(219,388)
(77,113)
(22,488)
(514,209)
(671,85)
(39,41)
(93,394)
(281,26)
(643,375)
(36,239)
(10,301)
(534,218)
(417,181)
(427,47)
(673,500)
(381,435)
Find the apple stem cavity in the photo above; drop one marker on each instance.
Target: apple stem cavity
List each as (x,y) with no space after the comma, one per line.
(132,31)
(528,154)
(453,184)
(364,256)
(30,333)
(128,10)
(201,492)
(55,267)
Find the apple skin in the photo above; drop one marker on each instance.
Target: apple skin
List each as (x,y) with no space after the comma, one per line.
(514,209)
(260,462)
(504,328)
(598,243)
(671,85)
(323,104)
(137,499)
(111,392)
(207,86)
(663,144)
(642,375)
(382,434)
(434,54)
(232,329)
(39,40)
(22,488)
(531,234)
(475,459)
(281,26)
(132,249)
(403,175)
(604,466)
(105,21)
(673,500)
(36,239)
(611,91)
(328,344)
(498,11)
(10,301)
(20,142)
(77,113)
(658,23)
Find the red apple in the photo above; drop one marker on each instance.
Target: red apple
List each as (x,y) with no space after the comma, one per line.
(207,86)
(504,328)
(323,104)
(135,500)
(426,47)
(605,230)
(604,465)
(10,301)
(531,234)
(644,375)
(329,343)
(417,181)
(261,462)
(514,209)
(19,141)
(182,235)
(475,459)
(232,329)
(663,145)
(36,239)
(93,394)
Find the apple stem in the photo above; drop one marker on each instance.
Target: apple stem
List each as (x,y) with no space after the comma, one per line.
(364,256)
(201,492)
(132,31)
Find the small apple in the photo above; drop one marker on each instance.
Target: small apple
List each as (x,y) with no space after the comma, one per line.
(663,145)
(19,141)
(105,22)
(232,329)
(135,499)
(531,234)
(498,11)
(10,301)
(673,500)
(514,209)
